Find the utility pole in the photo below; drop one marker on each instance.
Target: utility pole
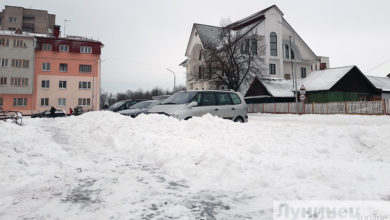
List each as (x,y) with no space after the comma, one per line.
(174,79)
(294,76)
(66,20)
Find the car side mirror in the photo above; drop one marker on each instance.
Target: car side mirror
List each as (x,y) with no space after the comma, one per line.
(192,104)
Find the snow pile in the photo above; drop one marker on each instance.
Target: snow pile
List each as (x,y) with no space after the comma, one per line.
(104,165)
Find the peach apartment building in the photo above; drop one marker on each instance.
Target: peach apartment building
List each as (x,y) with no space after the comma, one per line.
(67,73)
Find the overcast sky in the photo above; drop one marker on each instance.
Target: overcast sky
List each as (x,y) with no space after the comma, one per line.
(143,38)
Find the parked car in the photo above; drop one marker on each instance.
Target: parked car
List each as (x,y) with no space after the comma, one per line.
(188,104)
(139,108)
(46,114)
(124,104)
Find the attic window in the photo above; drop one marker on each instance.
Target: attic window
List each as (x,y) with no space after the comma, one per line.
(196,33)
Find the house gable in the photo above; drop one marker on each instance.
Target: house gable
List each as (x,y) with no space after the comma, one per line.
(257,89)
(355,81)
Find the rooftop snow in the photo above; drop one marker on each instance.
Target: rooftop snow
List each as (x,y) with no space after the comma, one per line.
(278,87)
(380,82)
(24,34)
(324,79)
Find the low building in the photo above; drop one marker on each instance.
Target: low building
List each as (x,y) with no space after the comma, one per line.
(67,72)
(339,84)
(269,90)
(382,83)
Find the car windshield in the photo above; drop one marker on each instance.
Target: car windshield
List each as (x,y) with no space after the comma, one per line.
(140,105)
(179,98)
(116,105)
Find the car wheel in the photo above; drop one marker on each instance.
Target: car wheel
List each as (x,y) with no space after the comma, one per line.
(239,119)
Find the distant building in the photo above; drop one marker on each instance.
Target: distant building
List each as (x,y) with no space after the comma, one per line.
(67,72)
(38,71)
(285,51)
(13,18)
(16,71)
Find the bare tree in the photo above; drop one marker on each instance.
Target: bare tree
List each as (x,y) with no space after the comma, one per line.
(235,60)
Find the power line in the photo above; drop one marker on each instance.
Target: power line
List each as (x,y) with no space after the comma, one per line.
(378,66)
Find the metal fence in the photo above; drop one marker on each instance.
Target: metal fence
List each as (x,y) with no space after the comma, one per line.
(380,107)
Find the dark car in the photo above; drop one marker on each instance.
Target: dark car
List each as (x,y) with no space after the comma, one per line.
(124,104)
(46,114)
(140,108)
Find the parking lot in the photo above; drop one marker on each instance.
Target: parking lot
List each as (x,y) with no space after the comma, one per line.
(103,164)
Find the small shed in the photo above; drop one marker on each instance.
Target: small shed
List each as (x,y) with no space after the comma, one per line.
(382,83)
(339,84)
(269,90)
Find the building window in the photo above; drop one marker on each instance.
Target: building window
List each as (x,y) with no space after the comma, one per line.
(62,84)
(3,81)
(20,102)
(84,49)
(64,48)
(245,47)
(62,102)
(292,55)
(3,62)
(12,20)
(28,29)
(44,101)
(84,85)
(4,42)
(45,84)
(19,43)
(85,68)
(200,72)
(274,44)
(45,66)
(20,63)
(19,82)
(287,51)
(46,47)
(254,46)
(1,103)
(84,102)
(303,72)
(63,67)
(272,69)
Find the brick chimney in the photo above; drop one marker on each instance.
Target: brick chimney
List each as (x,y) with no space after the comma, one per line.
(57,31)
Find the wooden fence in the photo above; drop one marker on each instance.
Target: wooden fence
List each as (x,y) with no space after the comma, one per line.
(381,107)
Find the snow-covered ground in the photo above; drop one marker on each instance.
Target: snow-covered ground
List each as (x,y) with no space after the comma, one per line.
(102,165)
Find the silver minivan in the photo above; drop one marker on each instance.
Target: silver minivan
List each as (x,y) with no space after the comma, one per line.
(187,104)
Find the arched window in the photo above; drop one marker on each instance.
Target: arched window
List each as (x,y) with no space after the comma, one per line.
(273,44)
(200,72)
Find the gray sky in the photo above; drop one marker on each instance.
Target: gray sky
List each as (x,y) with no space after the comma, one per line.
(142,38)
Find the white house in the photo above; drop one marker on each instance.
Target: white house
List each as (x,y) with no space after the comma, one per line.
(285,51)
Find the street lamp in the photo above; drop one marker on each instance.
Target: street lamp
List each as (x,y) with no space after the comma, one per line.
(174,79)
(293,71)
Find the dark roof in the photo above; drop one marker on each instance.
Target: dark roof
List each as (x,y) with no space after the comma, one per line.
(184,63)
(208,34)
(252,18)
